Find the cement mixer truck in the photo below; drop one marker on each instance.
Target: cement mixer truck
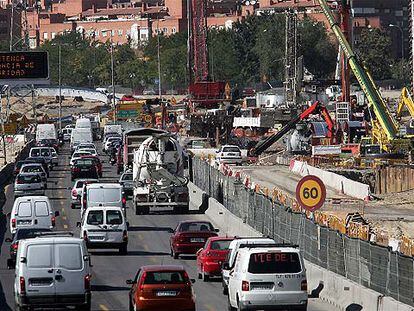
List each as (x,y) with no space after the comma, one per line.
(158,176)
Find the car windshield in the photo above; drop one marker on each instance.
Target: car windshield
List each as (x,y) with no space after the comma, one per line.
(80,154)
(231,149)
(165,277)
(95,218)
(28,179)
(127,177)
(113,218)
(220,245)
(196,226)
(274,262)
(32,169)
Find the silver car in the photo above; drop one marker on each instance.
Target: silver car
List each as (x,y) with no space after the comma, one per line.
(35,168)
(28,184)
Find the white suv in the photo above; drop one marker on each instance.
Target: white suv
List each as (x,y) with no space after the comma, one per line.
(104,227)
(268,278)
(52,271)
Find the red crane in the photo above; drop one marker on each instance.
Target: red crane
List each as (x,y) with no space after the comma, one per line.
(203,91)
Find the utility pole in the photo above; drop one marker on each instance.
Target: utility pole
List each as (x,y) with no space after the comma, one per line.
(60,88)
(113,78)
(291,59)
(159,75)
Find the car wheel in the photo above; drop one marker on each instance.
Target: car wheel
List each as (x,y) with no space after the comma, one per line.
(85,307)
(131,307)
(239,307)
(229,307)
(123,250)
(206,277)
(225,290)
(175,255)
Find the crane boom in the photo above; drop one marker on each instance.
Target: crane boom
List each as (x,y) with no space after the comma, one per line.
(385,119)
(405,100)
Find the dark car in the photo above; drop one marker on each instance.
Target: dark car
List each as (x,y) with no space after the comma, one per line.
(84,168)
(49,143)
(190,236)
(161,288)
(97,162)
(21,233)
(46,165)
(127,183)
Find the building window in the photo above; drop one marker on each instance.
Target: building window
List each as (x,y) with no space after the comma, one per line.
(173,30)
(120,32)
(53,35)
(45,36)
(144,37)
(103,33)
(112,32)
(96,33)
(165,30)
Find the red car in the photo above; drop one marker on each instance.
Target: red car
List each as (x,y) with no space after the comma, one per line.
(157,288)
(97,161)
(210,258)
(190,236)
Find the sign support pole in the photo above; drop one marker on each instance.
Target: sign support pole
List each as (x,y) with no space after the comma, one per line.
(3,136)
(33,104)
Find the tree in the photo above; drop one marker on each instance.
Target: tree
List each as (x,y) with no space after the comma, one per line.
(374,49)
(401,73)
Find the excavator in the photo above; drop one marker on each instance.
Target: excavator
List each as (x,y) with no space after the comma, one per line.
(315,109)
(405,101)
(385,129)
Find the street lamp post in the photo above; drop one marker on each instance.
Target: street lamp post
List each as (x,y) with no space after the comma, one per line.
(112,74)
(402,38)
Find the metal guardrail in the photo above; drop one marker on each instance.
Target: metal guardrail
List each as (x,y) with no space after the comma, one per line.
(86,94)
(326,242)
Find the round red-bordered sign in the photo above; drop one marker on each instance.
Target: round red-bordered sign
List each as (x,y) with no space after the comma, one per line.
(311,193)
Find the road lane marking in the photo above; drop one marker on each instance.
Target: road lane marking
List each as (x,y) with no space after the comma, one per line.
(65,226)
(63,209)
(103,307)
(146,247)
(140,236)
(64,217)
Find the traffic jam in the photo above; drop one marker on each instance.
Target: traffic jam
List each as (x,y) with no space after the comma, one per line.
(101,218)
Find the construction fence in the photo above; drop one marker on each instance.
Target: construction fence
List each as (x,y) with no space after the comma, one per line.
(371,265)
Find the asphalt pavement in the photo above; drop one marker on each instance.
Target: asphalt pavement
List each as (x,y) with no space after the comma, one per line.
(148,244)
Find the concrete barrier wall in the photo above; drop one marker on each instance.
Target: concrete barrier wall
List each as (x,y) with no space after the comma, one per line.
(337,290)
(86,94)
(340,183)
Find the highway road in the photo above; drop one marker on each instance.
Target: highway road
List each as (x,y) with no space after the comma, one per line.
(148,244)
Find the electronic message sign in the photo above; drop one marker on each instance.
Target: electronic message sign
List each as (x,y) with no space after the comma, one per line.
(24,68)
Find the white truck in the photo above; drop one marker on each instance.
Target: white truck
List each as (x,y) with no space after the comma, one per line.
(45,131)
(114,129)
(80,135)
(158,175)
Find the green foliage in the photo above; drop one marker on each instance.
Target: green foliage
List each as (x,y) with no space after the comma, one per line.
(254,48)
(374,49)
(401,73)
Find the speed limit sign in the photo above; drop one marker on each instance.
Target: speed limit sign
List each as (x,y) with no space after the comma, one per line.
(310,193)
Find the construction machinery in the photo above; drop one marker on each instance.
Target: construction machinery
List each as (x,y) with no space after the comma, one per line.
(158,175)
(385,129)
(204,92)
(406,100)
(316,109)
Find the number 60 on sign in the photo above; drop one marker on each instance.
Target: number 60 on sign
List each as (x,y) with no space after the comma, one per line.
(310,193)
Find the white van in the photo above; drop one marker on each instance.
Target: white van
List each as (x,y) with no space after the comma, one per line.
(32,212)
(45,131)
(80,135)
(234,246)
(104,227)
(100,194)
(83,123)
(267,278)
(52,270)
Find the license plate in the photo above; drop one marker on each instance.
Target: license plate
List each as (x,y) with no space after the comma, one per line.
(95,237)
(25,222)
(231,154)
(197,240)
(167,294)
(84,170)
